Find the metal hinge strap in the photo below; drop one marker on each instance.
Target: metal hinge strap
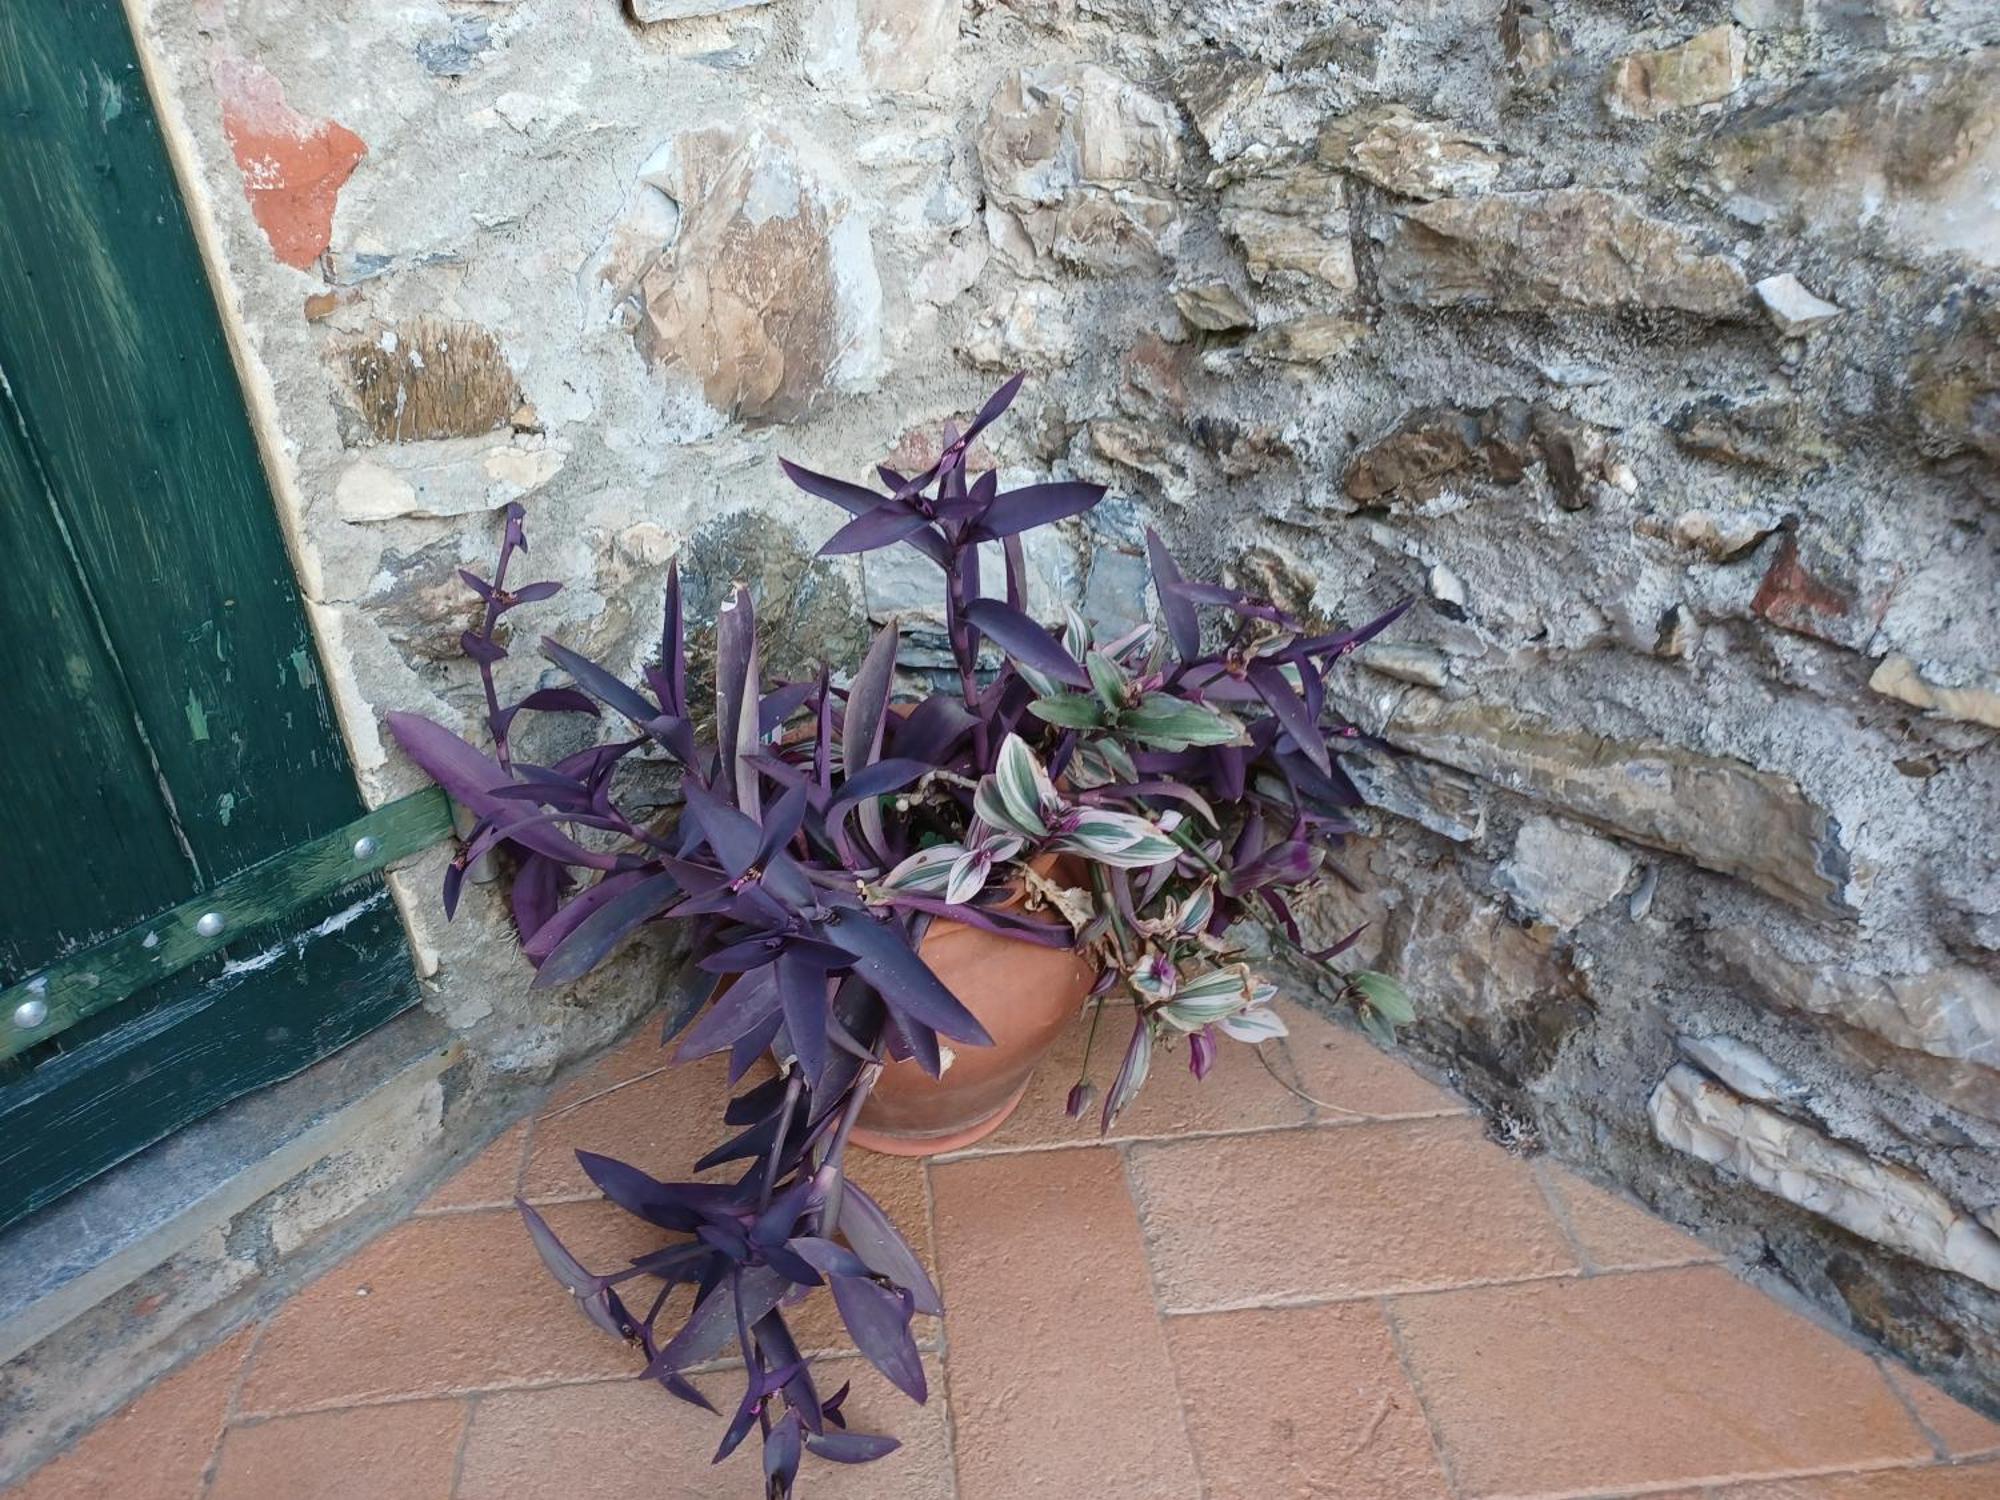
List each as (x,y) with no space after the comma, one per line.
(65,992)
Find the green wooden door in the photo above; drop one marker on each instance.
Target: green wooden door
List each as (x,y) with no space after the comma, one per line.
(164,725)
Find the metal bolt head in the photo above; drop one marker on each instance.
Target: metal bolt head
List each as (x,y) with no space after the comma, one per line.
(210,924)
(31,1013)
(367,846)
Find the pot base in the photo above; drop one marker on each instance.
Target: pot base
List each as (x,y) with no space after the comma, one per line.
(888,1144)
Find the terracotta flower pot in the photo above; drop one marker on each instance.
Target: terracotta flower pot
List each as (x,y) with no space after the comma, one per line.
(1023,994)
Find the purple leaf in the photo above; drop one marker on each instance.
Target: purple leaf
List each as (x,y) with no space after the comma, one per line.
(734,836)
(480,648)
(560,700)
(712,1324)
(780,704)
(538,885)
(1183,624)
(862,726)
(608,924)
(1290,711)
(851,1447)
(593,1294)
(826,1257)
(1025,641)
(1346,640)
(469,777)
(640,1195)
(884,958)
(852,498)
(872,1236)
(802,994)
(673,646)
(879,1321)
(583,905)
(1035,505)
(735,697)
(533,593)
(868,703)
(781,1456)
(601,684)
(782,821)
(878,528)
(930,732)
(996,403)
(878,780)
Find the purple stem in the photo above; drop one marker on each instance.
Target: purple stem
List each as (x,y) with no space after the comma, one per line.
(491,618)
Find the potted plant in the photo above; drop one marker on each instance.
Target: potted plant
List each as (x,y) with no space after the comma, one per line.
(883,890)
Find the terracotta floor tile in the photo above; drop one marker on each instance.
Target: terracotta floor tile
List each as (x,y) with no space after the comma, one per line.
(1302,1403)
(1060,1380)
(660,1121)
(1964,1432)
(443,1304)
(1976,1482)
(1238,1093)
(1341,1068)
(1340,1213)
(1614,1234)
(635,1442)
(406,1451)
(159,1446)
(489,1180)
(1654,1377)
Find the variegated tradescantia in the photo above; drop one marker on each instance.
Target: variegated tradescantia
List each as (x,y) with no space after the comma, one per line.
(1137,799)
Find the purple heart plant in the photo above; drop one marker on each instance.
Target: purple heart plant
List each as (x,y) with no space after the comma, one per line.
(1188,772)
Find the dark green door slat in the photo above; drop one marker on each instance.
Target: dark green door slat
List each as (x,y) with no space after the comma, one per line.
(260,897)
(67,752)
(117,361)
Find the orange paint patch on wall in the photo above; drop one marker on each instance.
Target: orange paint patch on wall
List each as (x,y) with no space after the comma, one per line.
(293,167)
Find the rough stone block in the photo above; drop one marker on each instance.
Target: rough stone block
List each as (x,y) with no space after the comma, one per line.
(1567,247)
(1783,1156)
(1725,815)
(1705,69)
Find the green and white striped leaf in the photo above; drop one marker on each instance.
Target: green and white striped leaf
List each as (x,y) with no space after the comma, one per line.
(1171,724)
(1068,711)
(926,872)
(1257,1024)
(1106,681)
(1024,788)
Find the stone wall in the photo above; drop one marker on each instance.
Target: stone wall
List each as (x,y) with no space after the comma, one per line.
(1654,344)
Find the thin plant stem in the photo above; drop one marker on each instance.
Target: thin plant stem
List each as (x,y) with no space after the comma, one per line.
(792,1087)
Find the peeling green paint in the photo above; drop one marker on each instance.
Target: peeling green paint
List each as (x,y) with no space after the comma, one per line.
(197,717)
(302,668)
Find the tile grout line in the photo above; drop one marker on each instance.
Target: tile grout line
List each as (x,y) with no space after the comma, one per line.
(230,1409)
(1446,1466)
(1431,1289)
(1295,1127)
(1134,1197)
(1938,1445)
(944,1326)
(471,1404)
(531,1119)
(529,1386)
(1559,1211)
(1712,1488)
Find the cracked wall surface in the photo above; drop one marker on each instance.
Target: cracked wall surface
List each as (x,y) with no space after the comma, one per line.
(1653,344)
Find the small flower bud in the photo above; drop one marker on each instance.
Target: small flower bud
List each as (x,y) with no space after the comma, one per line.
(1080,1099)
